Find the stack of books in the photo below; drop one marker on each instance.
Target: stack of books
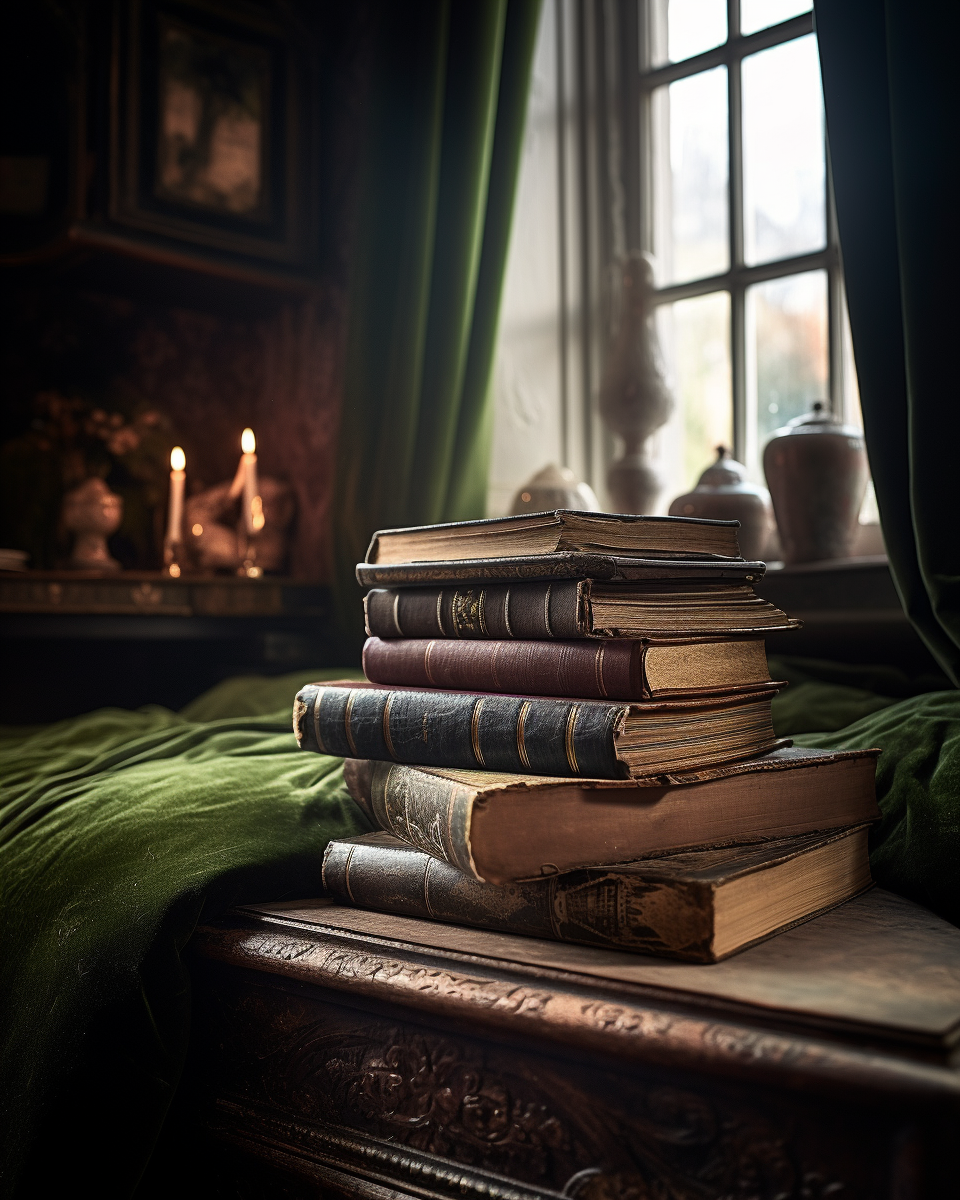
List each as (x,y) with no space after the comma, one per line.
(566,732)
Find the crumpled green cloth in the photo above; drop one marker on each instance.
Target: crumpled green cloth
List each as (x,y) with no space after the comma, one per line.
(915,849)
(118,830)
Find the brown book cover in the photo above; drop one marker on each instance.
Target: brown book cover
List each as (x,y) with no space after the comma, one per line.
(697,906)
(563,529)
(499,827)
(562,564)
(614,668)
(538,735)
(569,608)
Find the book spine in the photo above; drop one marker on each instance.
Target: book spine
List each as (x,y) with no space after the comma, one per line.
(499,612)
(596,670)
(534,736)
(426,811)
(595,906)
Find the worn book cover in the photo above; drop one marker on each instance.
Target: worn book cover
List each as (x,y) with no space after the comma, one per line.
(562,564)
(564,609)
(537,735)
(613,668)
(697,906)
(500,827)
(561,530)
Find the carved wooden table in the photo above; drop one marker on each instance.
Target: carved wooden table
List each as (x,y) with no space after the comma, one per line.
(343,1052)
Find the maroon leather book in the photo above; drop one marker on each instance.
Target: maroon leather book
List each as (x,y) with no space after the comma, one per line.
(614,668)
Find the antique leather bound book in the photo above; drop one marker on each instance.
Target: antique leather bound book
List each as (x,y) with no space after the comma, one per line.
(562,564)
(610,669)
(697,906)
(547,532)
(532,734)
(498,827)
(562,608)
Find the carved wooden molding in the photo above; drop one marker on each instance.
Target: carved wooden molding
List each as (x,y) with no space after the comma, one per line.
(436,1115)
(568,1015)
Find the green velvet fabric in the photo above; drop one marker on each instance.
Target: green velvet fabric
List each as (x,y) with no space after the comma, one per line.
(443,140)
(893,117)
(120,830)
(915,849)
(117,831)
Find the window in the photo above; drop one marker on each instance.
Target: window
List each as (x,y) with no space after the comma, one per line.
(735,206)
(692,129)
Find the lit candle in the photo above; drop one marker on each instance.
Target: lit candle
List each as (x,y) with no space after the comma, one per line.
(245,481)
(178,476)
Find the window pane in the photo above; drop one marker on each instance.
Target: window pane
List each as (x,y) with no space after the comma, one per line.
(784,171)
(694,26)
(760,14)
(691,166)
(787,360)
(696,343)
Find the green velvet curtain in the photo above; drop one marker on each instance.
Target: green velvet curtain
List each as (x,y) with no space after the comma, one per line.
(445,127)
(893,118)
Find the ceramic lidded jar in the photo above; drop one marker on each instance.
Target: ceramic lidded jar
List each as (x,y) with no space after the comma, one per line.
(723,493)
(554,487)
(816,469)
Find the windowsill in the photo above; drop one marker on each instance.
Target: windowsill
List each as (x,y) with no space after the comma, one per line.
(850,612)
(857,562)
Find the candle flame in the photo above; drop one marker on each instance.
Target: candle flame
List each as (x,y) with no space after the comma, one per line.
(248,443)
(178,460)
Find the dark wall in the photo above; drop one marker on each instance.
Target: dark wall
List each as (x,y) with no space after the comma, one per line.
(170,352)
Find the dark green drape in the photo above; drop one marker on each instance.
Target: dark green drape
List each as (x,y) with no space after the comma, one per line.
(893,119)
(444,131)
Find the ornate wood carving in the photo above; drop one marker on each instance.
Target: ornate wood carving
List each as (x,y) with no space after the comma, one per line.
(563,1014)
(320,1073)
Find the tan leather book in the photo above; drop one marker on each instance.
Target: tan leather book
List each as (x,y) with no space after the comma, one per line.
(500,827)
(562,530)
(698,906)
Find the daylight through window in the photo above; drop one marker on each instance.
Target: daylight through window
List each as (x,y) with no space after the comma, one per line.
(735,207)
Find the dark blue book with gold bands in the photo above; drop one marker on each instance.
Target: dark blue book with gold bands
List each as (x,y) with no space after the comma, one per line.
(534,735)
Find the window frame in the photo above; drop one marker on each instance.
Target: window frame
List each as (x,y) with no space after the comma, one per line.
(739,276)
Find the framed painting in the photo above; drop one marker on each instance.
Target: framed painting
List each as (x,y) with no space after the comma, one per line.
(213,137)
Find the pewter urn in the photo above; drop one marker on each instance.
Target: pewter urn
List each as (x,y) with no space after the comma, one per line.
(724,493)
(816,469)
